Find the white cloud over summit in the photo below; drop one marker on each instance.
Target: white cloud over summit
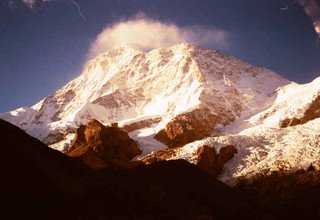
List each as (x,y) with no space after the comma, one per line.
(147,34)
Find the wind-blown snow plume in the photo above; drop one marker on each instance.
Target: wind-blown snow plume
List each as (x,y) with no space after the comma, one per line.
(147,34)
(312,9)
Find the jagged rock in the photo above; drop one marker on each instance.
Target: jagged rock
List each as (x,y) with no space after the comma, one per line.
(205,157)
(188,127)
(225,154)
(102,146)
(159,155)
(140,124)
(211,162)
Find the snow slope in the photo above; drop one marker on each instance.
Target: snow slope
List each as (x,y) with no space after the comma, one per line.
(292,102)
(262,150)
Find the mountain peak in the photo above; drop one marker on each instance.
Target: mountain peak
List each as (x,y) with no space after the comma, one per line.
(176,84)
(128,48)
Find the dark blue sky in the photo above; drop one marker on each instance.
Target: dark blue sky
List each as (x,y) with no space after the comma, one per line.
(44,48)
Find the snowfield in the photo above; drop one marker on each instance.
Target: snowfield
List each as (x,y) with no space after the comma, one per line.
(262,150)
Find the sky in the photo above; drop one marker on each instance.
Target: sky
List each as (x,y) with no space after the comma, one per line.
(45,43)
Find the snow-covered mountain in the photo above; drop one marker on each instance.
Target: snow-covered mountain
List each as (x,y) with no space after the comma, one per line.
(127,86)
(177,95)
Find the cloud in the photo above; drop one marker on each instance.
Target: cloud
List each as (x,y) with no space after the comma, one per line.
(147,34)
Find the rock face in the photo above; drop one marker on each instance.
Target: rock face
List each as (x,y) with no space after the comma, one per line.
(160,155)
(204,157)
(102,146)
(211,162)
(140,124)
(188,127)
(226,153)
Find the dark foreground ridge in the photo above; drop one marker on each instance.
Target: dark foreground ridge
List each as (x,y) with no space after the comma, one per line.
(38,182)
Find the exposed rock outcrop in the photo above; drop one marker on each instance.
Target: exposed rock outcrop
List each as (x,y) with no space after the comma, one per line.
(102,146)
(226,153)
(140,124)
(205,157)
(159,155)
(188,127)
(211,162)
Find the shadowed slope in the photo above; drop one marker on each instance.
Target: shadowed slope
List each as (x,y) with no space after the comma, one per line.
(38,182)
(34,178)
